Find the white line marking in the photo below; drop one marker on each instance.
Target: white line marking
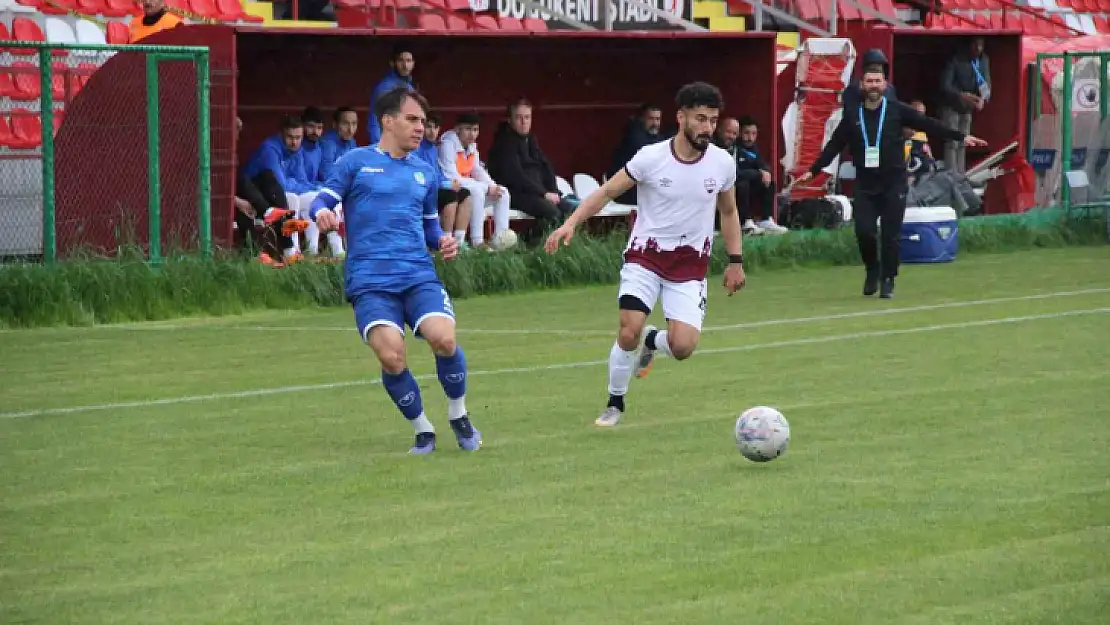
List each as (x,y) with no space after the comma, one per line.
(281,390)
(564,332)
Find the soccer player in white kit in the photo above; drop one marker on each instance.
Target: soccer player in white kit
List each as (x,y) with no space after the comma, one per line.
(679,184)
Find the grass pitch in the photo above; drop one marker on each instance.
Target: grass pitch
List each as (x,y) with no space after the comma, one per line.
(948,463)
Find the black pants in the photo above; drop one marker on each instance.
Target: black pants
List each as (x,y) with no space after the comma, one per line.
(262,193)
(880,251)
(752,196)
(546,215)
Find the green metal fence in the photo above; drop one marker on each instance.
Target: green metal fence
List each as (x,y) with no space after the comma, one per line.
(1068,125)
(91,145)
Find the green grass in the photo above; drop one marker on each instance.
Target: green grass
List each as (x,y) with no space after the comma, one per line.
(89,291)
(948,464)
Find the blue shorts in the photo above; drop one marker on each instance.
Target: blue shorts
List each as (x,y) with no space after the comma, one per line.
(409,307)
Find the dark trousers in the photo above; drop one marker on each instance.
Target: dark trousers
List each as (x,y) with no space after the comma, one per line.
(880,251)
(546,215)
(752,196)
(262,193)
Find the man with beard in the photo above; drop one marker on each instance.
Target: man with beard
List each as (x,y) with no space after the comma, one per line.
(755,190)
(680,184)
(874,135)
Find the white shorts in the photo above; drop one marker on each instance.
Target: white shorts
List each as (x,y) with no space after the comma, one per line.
(682,301)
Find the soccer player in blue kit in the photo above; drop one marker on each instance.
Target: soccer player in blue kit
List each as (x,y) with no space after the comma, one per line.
(389,197)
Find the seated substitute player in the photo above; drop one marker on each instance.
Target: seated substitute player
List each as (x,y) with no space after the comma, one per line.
(389,196)
(679,183)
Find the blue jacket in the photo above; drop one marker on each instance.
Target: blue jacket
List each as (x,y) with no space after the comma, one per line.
(331,149)
(288,167)
(391,81)
(430,153)
(312,155)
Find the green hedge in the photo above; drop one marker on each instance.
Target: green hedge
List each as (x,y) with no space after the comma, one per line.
(114,291)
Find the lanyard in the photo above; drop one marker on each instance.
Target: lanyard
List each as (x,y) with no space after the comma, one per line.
(979,79)
(878,131)
(751,155)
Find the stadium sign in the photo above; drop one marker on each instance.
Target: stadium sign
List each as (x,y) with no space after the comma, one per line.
(624,15)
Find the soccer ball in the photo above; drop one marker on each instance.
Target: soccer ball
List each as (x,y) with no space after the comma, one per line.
(762,434)
(503,240)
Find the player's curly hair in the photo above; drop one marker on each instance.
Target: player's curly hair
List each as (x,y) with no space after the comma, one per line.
(698,94)
(389,103)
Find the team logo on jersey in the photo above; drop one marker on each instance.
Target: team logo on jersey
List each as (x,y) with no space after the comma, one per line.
(710,185)
(419,176)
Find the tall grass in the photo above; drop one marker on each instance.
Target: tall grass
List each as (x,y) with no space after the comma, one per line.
(90,290)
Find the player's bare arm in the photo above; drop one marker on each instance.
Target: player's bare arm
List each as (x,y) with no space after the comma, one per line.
(611,190)
(734,243)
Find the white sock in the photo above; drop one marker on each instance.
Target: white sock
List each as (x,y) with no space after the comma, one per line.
(456,408)
(460,236)
(661,344)
(312,233)
(421,424)
(620,369)
(289,251)
(335,242)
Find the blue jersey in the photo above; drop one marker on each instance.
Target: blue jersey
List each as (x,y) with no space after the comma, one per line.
(311,158)
(389,205)
(332,148)
(287,167)
(430,153)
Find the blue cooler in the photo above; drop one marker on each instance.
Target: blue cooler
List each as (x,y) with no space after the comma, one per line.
(929,235)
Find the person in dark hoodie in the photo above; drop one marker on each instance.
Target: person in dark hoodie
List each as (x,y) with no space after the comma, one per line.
(641,130)
(518,163)
(873,133)
(755,186)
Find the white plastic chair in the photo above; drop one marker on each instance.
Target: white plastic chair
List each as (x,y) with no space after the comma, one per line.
(58,31)
(563,186)
(585,184)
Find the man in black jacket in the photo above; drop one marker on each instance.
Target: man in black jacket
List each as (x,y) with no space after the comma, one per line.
(518,163)
(755,186)
(965,86)
(642,130)
(873,135)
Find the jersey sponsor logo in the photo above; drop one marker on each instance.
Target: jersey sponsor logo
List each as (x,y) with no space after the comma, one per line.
(665,183)
(419,177)
(372,170)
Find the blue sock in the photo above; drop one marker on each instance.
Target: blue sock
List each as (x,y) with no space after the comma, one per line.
(405,393)
(452,373)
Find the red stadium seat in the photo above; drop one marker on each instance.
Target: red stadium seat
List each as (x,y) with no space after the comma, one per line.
(535,25)
(118,33)
(487,22)
(431,21)
(24,29)
(454,22)
(205,8)
(43,7)
(232,11)
(7,85)
(1102,23)
(122,8)
(26,128)
(6,138)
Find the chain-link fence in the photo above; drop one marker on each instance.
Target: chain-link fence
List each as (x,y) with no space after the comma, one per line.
(1069,126)
(103,149)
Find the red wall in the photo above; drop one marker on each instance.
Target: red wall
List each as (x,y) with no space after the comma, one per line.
(101,150)
(584,86)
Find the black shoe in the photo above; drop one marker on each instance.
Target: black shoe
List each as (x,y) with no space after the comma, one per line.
(887,289)
(871,283)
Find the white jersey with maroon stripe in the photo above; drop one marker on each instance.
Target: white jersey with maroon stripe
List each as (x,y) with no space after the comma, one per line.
(676,200)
